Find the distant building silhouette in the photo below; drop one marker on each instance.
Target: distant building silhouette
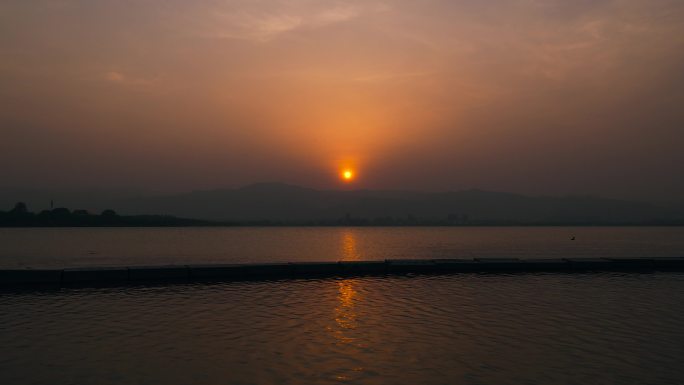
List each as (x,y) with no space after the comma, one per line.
(61,212)
(20,208)
(109,213)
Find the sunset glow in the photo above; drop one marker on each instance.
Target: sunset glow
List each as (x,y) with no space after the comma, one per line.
(347,175)
(436,95)
(292,164)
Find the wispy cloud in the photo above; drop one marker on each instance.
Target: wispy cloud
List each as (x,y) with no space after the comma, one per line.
(118,77)
(259,23)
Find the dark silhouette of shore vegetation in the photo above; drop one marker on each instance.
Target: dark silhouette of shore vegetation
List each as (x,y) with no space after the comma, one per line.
(20,216)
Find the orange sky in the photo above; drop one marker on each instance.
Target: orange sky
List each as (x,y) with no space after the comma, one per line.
(532,96)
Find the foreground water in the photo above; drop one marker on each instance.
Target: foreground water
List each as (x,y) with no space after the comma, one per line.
(64,247)
(605,328)
(460,329)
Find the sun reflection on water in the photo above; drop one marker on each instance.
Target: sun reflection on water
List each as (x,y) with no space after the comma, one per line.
(347,294)
(346,317)
(349,247)
(345,323)
(345,313)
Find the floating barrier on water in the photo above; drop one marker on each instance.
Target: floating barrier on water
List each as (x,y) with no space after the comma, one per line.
(94,274)
(155,273)
(235,272)
(214,272)
(555,264)
(668,263)
(362,267)
(30,276)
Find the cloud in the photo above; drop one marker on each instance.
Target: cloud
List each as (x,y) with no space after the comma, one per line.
(259,23)
(114,77)
(117,77)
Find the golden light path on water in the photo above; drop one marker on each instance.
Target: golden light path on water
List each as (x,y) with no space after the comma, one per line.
(345,313)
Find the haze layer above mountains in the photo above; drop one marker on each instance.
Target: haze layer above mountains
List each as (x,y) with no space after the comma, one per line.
(294,204)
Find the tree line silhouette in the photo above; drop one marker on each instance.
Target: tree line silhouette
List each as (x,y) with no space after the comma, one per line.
(20,216)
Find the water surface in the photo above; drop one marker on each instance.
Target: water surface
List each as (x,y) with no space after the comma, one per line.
(60,247)
(542,329)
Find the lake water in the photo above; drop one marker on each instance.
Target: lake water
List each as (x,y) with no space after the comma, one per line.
(546,329)
(63,247)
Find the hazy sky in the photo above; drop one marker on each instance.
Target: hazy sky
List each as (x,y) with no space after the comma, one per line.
(531,96)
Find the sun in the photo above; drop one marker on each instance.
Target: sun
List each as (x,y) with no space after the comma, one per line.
(347,175)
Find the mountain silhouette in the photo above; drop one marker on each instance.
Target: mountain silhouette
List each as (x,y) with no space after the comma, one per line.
(283,202)
(280,202)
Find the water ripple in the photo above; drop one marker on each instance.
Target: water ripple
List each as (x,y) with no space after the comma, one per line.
(470,329)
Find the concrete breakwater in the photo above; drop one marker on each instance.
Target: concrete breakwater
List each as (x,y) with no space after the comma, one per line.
(236,272)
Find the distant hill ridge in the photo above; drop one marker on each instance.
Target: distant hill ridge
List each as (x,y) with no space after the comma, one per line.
(280,202)
(284,202)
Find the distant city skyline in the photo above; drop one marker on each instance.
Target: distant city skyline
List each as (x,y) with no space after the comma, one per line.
(534,97)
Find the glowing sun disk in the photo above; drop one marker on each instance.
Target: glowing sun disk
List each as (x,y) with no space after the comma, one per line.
(347,175)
